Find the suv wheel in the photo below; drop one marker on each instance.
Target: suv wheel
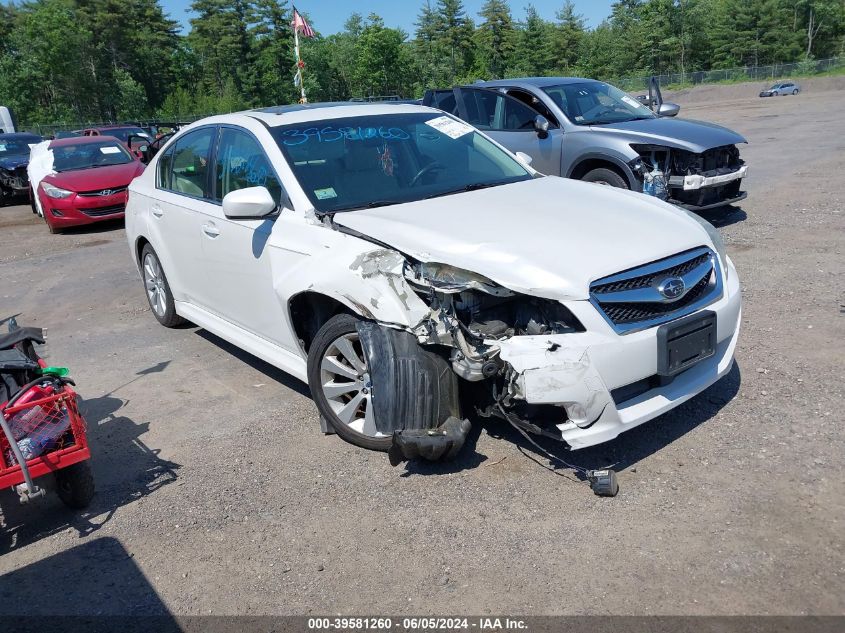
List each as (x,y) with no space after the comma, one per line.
(340,384)
(604,176)
(158,291)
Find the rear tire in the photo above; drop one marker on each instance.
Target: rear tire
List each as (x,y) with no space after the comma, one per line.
(794,92)
(335,359)
(605,176)
(157,289)
(75,485)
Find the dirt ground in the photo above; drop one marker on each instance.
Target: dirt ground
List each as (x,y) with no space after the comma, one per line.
(217,493)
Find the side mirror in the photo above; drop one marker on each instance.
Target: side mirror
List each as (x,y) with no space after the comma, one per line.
(248,204)
(524,158)
(541,125)
(668,109)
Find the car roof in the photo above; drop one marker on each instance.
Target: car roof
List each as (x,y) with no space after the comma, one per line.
(125,126)
(82,140)
(540,82)
(303,113)
(18,136)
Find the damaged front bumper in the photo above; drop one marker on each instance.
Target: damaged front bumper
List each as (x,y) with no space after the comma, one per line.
(697,181)
(605,383)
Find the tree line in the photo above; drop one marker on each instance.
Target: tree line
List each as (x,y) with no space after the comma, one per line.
(97,60)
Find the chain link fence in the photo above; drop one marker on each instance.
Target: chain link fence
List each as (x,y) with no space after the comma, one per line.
(735,75)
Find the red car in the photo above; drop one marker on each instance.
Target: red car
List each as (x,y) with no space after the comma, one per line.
(88,183)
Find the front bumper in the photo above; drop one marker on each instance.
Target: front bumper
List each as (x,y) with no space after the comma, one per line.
(78,210)
(696,181)
(579,371)
(15,181)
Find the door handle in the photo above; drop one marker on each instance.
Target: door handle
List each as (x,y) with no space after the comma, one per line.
(210,230)
(157,212)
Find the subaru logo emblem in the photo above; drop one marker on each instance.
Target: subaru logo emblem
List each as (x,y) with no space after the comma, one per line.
(671,287)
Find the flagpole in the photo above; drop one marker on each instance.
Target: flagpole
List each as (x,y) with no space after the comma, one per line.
(303,98)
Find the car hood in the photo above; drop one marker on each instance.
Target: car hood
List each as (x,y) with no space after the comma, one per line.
(548,237)
(109,177)
(693,136)
(13,162)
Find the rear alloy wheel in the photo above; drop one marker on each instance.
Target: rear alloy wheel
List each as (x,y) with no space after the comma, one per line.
(340,383)
(604,176)
(158,290)
(795,92)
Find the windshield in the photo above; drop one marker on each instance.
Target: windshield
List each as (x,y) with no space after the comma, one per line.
(89,155)
(15,147)
(124,132)
(369,161)
(594,103)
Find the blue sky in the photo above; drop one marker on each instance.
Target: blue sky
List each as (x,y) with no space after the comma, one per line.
(328,16)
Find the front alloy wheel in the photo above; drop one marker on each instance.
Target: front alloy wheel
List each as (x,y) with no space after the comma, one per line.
(339,377)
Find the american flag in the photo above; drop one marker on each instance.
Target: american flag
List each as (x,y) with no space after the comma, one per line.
(299,24)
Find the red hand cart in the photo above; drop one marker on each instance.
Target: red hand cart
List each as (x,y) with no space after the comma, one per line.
(43,433)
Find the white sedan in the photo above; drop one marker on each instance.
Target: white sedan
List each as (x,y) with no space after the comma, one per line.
(415,273)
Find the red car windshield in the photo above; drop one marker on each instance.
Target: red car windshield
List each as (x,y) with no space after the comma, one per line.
(89,155)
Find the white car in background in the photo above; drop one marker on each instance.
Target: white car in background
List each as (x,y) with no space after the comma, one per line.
(414,272)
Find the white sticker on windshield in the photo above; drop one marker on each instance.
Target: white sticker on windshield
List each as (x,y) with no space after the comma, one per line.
(631,101)
(449,126)
(110,150)
(2,148)
(325,194)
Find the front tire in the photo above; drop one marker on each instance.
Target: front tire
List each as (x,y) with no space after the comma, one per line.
(604,176)
(340,384)
(157,289)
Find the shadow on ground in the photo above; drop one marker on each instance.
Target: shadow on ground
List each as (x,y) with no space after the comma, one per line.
(125,469)
(273,373)
(724,216)
(97,578)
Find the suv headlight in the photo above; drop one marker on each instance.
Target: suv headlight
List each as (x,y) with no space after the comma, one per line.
(55,192)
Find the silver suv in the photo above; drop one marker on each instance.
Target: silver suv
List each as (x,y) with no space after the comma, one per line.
(592,131)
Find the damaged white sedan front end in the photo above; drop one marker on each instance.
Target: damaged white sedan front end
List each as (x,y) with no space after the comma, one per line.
(418,276)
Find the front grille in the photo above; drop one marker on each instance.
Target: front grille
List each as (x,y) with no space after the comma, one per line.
(101,192)
(634,312)
(648,280)
(101,211)
(632,301)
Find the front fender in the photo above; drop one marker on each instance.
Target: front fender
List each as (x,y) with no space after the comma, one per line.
(617,160)
(366,278)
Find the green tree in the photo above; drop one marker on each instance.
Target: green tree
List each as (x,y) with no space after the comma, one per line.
(495,37)
(568,37)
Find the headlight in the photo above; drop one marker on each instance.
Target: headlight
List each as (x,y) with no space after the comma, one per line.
(715,237)
(449,280)
(55,192)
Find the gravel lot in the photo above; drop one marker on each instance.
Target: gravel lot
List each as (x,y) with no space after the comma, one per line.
(217,493)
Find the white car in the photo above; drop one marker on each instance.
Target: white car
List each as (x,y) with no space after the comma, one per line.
(414,272)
